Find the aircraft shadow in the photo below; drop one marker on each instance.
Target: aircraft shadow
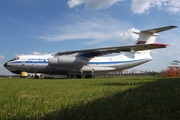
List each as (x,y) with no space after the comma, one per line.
(153,100)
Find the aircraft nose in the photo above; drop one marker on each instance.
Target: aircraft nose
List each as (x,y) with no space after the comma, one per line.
(5,65)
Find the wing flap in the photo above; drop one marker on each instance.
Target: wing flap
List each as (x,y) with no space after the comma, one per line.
(149,46)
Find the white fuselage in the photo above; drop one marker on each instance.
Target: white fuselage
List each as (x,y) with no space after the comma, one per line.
(40,64)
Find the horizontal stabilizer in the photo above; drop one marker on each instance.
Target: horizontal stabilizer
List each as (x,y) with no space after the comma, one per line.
(156,30)
(149,36)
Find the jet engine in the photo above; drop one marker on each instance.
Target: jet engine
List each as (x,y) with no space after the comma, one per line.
(67,60)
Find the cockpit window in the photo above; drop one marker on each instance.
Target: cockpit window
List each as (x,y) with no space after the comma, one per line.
(15,58)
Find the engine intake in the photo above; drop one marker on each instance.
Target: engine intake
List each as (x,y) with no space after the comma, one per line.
(67,60)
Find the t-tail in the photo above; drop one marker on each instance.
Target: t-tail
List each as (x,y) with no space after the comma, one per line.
(149,36)
(144,44)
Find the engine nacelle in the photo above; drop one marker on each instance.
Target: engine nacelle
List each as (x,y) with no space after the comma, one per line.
(67,60)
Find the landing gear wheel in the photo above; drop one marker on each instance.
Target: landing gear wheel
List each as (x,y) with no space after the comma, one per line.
(36,77)
(92,76)
(83,76)
(69,76)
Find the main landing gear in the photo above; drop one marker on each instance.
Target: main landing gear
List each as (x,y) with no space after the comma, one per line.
(87,76)
(82,75)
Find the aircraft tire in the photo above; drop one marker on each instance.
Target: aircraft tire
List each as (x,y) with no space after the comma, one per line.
(90,76)
(36,77)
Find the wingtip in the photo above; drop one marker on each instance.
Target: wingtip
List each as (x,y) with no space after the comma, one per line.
(173,26)
(159,44)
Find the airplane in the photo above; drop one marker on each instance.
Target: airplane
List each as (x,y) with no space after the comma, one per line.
(90,62)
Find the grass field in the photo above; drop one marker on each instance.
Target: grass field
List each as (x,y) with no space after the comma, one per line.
(112,98)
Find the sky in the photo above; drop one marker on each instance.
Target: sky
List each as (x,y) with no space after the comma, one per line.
(44,26)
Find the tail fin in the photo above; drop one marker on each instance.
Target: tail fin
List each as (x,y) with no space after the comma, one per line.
(149,36)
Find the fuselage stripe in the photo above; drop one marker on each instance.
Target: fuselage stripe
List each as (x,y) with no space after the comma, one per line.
(89,63)
(116,62)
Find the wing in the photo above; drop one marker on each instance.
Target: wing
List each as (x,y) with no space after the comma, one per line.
(145,42)
(90,53)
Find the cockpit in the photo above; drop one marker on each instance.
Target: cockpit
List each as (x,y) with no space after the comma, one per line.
(9,66)
(15,58)
(6,64)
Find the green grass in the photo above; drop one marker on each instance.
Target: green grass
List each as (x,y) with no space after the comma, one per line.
(110,98)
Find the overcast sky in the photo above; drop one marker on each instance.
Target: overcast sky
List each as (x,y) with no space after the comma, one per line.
(44,26)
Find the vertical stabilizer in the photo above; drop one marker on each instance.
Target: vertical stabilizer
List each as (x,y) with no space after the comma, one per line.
(149,36)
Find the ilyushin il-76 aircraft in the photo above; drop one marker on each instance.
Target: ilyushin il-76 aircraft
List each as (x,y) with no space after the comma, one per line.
(90,62)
